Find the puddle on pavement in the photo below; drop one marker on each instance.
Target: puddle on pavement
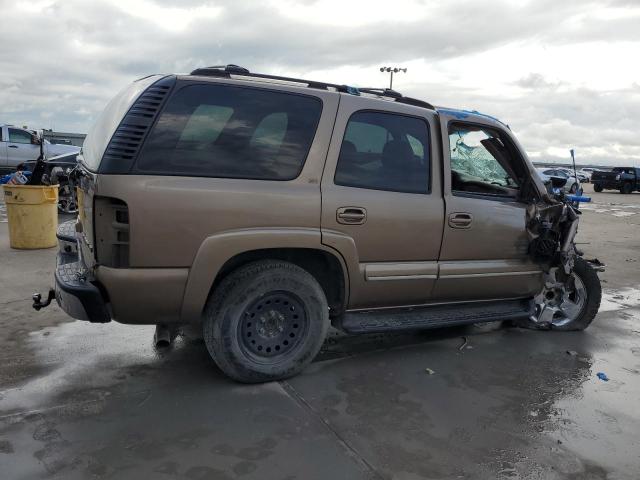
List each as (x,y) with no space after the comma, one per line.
(599,421)
(613,300)
(100,355)
(83,354)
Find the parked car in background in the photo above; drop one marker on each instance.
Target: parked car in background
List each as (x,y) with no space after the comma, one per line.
(582,178)
(624,179)
(571,186)
(19,145)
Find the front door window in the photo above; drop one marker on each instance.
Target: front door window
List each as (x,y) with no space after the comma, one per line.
(480,161)
(19,136)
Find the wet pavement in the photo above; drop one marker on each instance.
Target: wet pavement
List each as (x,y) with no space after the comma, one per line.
(99,401)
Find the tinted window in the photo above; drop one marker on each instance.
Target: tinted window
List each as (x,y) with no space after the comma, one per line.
(383,151)
(19,136)
(233,132)
(480,161)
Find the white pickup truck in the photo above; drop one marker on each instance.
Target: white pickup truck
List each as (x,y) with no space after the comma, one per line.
(18,145)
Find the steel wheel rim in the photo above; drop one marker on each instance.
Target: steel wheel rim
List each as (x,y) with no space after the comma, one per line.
(273,326)
(571,304)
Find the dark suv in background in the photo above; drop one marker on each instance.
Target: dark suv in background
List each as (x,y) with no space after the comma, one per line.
(625,179)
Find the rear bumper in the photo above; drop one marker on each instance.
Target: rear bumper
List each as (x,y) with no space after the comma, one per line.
(76,292)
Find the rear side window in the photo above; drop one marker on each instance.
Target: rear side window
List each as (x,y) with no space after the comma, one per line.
(232,132)
(384,151)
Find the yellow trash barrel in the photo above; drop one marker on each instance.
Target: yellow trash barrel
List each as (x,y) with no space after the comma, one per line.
(32,212)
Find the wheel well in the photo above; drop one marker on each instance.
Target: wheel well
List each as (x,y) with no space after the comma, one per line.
(324,266)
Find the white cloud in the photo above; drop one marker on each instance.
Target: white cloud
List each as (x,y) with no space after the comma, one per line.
(174,19)
(562,75)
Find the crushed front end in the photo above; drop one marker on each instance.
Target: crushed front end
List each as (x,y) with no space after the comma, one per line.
(552,225)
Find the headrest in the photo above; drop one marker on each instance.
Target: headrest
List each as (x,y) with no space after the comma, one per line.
(397,152)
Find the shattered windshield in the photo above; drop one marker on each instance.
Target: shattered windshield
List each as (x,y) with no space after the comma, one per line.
(470,157)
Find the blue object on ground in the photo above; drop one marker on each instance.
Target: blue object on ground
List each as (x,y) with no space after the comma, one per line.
(578,198)
(602,376)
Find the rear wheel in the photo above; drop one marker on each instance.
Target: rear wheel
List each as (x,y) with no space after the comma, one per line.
(597,187)
(574,188)
(626,188)
(266,321)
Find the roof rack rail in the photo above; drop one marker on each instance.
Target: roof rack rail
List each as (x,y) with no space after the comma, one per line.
(226,71)
(387,92)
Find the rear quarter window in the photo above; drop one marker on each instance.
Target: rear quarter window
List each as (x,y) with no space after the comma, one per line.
(105,125)
(232,132)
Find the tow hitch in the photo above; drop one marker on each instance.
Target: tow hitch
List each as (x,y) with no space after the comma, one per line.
(37,299)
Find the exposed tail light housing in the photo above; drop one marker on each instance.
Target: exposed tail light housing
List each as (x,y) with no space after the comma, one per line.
(111,224)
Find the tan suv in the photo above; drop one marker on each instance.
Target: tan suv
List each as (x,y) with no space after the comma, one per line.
(268,208)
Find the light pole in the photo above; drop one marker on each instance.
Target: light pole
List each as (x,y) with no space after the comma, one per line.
(392,70)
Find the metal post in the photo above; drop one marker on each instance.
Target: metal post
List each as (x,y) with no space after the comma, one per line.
(575,173)
(391,71)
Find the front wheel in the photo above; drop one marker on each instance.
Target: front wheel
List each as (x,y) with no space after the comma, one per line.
(626,188)
(597,187)
(571,305)
(266,321)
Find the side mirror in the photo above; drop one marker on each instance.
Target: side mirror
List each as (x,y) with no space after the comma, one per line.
(35,140)
(558,182)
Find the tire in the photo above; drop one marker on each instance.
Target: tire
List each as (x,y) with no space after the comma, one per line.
(589,278)
(574,188)
(252,342)
(626,188)
(597,187)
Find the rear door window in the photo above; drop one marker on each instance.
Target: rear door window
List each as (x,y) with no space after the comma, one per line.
(232,132)
(384,151)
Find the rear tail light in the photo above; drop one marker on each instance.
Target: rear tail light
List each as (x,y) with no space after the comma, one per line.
(112,232)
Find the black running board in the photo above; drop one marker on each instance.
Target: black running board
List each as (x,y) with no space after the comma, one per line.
(436,316)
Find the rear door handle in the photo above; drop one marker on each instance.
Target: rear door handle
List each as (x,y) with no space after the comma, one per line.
(460,220)
(351,215)
(13,146)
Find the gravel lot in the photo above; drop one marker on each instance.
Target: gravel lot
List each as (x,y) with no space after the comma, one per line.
(98,401)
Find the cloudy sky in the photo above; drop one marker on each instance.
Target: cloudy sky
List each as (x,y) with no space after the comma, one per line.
(561,74)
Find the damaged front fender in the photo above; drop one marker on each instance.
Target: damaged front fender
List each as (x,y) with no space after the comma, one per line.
(552,225)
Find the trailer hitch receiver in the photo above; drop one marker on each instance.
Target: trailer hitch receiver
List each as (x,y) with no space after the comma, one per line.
(37,299)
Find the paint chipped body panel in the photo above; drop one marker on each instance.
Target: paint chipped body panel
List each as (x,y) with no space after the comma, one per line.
(154,244)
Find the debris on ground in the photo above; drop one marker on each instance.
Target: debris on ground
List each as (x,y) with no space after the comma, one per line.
(429,371)
(602,376)
(464,343)
(573,353)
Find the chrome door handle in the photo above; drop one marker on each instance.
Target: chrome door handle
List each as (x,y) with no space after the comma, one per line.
(460,220)
(351,215)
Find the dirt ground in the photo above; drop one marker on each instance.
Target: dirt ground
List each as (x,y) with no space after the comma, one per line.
(99,401)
